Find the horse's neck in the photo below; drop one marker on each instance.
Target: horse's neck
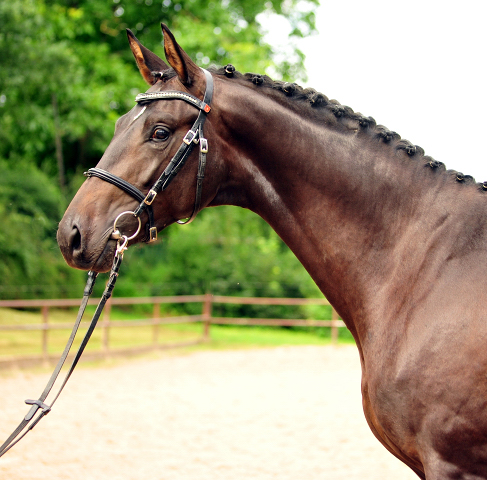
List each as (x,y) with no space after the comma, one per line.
(347,209)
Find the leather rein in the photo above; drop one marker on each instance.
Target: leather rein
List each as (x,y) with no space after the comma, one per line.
(39,408)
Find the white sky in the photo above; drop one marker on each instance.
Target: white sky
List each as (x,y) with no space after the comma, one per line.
(417,67)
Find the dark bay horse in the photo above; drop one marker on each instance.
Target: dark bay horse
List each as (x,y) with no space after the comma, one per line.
(394,241)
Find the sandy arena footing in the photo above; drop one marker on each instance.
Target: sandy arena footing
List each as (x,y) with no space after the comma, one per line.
(289,413)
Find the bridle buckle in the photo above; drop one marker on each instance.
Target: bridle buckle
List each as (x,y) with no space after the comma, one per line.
(152,234)
(190,137)
(150,197)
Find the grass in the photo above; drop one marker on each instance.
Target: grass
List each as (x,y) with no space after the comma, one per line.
(20,343)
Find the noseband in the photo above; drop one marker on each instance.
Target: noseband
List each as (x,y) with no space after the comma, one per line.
(193,137)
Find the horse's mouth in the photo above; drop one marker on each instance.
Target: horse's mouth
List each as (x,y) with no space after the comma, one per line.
(105,260)
(78,254)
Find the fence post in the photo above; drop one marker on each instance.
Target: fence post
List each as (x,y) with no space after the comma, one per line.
(45,332)
(334,326)
(206,315)
(156,314)
(106,327)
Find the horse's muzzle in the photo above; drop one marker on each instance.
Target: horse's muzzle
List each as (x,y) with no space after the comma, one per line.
(83,252)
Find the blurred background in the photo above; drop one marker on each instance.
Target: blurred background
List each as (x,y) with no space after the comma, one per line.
(67,74)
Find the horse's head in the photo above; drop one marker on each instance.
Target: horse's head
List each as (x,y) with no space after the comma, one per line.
(150,145)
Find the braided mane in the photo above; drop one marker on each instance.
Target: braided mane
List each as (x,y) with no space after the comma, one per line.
(316,100)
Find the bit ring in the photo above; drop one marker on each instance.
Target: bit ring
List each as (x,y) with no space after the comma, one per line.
(116,233)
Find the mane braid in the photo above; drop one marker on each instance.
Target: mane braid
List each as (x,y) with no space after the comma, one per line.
(317,100)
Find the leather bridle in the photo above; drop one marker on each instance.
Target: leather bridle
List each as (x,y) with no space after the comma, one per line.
(193,137)
(39,408)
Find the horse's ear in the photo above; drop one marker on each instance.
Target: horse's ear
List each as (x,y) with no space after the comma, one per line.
(147,61)
(185,68)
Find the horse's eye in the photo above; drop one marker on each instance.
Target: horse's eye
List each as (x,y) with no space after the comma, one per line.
(160,134)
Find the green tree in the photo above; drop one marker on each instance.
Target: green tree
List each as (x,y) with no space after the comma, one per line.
(43,65)
(226,251)
(75,54)
(30,206)
(66,75)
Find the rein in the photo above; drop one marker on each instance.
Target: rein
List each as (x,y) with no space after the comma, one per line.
(193,137)
(39,408)
(34,416)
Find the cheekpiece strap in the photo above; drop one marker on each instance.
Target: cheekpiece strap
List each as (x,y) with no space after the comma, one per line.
(192,138)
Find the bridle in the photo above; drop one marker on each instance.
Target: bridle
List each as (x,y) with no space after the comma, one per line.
(39,408)
(193,137)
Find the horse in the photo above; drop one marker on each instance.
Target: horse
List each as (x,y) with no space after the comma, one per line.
(394,240)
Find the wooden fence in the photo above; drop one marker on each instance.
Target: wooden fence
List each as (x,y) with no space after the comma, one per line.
(206,318)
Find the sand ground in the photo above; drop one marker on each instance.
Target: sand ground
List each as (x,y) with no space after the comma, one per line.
(288,413)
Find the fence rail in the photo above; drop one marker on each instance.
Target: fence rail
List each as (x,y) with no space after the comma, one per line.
(206,318)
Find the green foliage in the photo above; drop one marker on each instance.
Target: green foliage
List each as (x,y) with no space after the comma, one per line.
(40,59)
(226,251)
(30,206)
(76,53)
(67,74)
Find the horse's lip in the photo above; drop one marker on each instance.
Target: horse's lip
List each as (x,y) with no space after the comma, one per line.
(100,258)
(105,260)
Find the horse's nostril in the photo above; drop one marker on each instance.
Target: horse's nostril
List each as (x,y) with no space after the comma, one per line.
(75,239)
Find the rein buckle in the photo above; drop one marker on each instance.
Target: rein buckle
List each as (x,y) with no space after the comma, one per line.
(36,404)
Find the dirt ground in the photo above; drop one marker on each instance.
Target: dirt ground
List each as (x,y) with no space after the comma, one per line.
(289,413)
